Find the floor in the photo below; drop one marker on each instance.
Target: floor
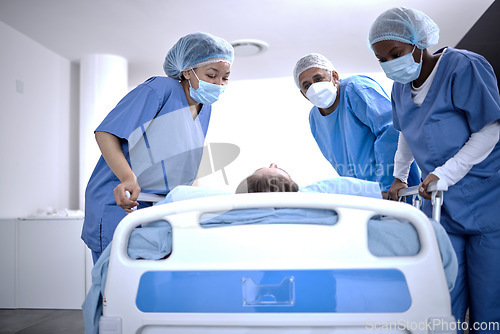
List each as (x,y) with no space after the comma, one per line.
(41,321)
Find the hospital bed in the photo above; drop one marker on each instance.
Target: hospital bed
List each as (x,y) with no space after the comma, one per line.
(276,278)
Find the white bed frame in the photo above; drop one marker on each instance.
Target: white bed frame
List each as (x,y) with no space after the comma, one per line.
(277,247)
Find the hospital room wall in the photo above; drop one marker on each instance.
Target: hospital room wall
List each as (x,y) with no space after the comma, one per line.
(267,119)
(39,136)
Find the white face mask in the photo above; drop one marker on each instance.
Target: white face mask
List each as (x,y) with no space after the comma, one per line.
(322,94)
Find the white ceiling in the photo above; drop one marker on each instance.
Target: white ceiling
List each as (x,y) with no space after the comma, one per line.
(142,31)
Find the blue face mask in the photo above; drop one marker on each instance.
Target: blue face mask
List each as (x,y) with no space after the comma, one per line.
(403,69)
(206,93)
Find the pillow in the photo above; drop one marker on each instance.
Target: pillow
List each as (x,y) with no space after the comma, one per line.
(181,193)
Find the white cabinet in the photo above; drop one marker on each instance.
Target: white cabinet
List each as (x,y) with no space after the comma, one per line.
(8,240)
(49,263)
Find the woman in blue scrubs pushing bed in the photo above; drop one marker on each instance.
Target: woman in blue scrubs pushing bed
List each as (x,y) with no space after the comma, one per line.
(446,106)
(152,141)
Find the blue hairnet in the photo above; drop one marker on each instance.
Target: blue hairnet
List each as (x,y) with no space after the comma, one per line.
(195,50)
(405,25)
(309,61)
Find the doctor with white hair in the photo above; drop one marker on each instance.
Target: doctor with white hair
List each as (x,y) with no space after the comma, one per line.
(351,121)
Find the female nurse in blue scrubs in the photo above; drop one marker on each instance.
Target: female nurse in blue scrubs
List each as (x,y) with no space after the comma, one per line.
(351,121)
(447,107)
(152,141)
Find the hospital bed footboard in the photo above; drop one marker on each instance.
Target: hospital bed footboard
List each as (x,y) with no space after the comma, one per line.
(276,278)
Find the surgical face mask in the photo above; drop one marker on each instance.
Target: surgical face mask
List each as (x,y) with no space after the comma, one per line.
(206,93)
(322,94)
(403,69)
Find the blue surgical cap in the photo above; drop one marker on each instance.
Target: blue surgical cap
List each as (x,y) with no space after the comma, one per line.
(309,61)
(405,25)
(195,50)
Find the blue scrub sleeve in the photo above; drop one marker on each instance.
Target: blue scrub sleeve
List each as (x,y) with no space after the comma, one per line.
(475,92)
(373,108)
(139,105)
(395,119)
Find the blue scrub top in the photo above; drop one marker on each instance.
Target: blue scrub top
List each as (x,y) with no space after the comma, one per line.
(161,142)
(462,99)
(358,138)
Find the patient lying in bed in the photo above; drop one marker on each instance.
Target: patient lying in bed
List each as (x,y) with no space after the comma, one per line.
(387,236)
(275,179)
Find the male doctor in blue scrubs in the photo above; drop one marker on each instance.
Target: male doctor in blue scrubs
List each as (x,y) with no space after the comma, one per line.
(351,121)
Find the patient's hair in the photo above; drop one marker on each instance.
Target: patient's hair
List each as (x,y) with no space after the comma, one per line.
(266,183)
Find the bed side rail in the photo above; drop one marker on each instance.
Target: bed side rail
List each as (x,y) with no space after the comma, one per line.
(343,205)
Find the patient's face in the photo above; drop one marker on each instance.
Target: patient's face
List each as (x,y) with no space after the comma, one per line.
(272,169)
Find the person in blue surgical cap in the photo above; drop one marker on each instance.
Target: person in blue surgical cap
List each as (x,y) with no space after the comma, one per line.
(152,141)
(351,121)
(447,107)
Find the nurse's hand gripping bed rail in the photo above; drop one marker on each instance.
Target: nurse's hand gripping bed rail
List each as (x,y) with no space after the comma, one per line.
(436,188)
(276,278)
